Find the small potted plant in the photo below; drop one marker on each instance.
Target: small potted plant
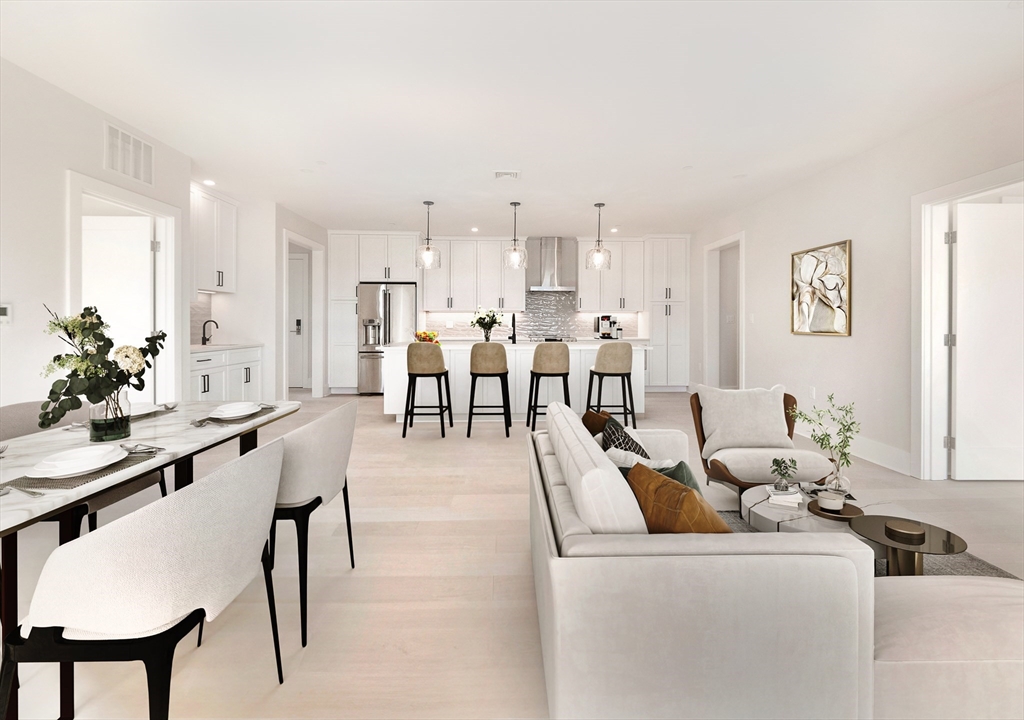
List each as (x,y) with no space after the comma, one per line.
(486,320)
(784,470)
(834,438)
(97,370)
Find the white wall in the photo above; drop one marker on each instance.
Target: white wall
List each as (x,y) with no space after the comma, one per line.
(44,132)
(866,199)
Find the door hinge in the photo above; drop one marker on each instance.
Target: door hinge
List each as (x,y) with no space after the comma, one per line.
(949,442)
(154,245)
(950,237)
(949,340)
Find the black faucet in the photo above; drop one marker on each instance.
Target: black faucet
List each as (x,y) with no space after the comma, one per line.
(207,338)
(512,337)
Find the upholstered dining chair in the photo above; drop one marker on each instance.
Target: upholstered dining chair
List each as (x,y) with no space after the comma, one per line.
(426,360)
(134,588)
(23,419)
(313,473)
(550,359)
(614,360)
(487,359)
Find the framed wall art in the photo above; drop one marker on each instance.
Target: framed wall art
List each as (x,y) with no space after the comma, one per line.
(820,295)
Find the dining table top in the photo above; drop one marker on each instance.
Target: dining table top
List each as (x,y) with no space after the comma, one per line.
(171,430)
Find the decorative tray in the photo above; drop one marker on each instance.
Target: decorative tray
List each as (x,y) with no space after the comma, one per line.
(845,515)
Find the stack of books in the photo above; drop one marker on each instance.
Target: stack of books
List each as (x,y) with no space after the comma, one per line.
(785,498)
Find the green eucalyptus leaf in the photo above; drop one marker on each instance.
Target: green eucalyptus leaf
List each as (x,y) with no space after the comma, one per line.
(76,402)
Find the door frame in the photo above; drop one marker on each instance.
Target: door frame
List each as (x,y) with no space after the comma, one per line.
(172,287)
(317,313)
(307,378)
(712,265)
(928,413)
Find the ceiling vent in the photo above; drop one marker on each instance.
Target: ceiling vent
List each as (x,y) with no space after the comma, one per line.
(128,155)
(513,174)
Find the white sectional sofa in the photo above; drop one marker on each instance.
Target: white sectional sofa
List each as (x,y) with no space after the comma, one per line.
(745,625)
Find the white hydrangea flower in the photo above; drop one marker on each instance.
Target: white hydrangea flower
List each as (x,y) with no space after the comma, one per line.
(129,359)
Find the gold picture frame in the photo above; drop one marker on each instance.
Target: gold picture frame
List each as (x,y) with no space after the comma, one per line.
(820,290)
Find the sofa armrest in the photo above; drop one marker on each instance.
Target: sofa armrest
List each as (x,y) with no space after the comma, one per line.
(666,444)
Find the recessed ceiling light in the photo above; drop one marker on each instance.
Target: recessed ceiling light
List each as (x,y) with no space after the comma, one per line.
(306,170)
(739,177)
(615,229)
(211,183)
(687,167)
(475,229)
(321,162)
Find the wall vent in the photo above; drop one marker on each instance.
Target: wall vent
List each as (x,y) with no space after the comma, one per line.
(128,155)
(513,174)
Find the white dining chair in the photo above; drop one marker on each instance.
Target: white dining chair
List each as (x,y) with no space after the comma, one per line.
(313,473)
(134,588)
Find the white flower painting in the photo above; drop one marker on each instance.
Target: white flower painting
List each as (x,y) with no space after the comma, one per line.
(821,290)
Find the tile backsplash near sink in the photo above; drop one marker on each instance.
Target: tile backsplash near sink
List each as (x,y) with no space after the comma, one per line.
(199,312)
(547,313)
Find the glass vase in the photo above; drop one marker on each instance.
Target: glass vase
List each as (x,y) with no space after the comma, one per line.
(487,335)
(111,419)
(838,483)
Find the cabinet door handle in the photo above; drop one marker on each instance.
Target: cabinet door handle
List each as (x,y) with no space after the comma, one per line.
(247,375)
(666,293)
(581,302)
(669,309)
(204,360)
(670,293)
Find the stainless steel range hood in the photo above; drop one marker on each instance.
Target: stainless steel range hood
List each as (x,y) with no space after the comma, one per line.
(552,264)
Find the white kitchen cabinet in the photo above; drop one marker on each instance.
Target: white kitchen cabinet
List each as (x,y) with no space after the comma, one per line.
(498,287)
(618,289)
(513,289)
(343,266)
(343,351)
(667,261)
(669,363)
(437,282)
(209,385)
(384,258)
(232,375)
(451,287)
(214,223)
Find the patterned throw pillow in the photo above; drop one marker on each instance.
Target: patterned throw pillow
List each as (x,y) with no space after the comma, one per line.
(615,436)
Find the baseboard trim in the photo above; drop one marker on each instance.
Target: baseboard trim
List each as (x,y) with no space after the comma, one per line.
(874,452)
(667,388)
(344,391)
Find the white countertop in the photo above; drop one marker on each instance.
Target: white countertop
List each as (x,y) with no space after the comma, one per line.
(215,348)
(580,344)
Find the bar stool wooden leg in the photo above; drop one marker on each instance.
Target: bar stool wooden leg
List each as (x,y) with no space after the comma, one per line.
(632,406)
(505,402)
(590,391)
(472,400)
(440,405)
(408,399)
(448,394)
(535,403)
(529,398)
(565,389)
(625,406)
(600,391)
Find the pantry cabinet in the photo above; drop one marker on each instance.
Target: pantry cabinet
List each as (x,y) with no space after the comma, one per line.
(668,266)
(214,224)
(342,311)
(669,364)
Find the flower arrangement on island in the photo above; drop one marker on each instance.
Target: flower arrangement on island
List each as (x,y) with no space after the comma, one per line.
(486,320)
(427,336)
(98,371)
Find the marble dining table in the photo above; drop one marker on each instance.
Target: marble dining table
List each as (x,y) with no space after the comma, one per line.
(171,430)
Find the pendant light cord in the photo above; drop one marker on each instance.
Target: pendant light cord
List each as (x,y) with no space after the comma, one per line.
(599,205)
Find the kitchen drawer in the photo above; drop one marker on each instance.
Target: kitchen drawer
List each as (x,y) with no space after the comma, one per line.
(207,360)
(245,355)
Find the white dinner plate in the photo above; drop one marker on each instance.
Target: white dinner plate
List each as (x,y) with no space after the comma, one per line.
(63,465)
(233,411)
(143,409)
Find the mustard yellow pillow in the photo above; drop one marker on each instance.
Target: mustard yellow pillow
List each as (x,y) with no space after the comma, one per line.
(671,507)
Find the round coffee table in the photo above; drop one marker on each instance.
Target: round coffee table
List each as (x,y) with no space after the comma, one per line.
(906,542)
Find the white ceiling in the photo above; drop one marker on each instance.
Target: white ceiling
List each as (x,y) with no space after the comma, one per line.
(353,113)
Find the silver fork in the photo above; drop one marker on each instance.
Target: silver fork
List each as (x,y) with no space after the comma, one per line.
(31,493)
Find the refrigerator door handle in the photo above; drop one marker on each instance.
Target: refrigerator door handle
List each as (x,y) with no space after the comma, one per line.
(387,317)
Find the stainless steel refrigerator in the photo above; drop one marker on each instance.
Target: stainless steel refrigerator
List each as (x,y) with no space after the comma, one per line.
(387,316)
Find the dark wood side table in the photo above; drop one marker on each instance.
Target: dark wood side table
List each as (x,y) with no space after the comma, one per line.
(907,541)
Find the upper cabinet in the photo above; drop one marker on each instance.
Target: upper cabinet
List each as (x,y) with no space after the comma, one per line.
(667,268)
(498,287)
(387,258)
(214,241)
(452,286)
(343,266)
(617,289)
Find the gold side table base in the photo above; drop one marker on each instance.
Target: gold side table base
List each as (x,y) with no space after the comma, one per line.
(904,562)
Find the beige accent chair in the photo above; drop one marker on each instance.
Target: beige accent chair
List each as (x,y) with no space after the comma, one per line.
(425,360)
(614,359)
(488,359)
(550,359)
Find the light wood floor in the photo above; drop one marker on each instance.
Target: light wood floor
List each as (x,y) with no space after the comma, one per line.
(439,618)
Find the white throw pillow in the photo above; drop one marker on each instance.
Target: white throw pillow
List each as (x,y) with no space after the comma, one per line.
(743,419)
(624,458)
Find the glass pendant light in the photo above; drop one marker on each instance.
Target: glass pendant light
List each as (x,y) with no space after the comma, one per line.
(428,257)
(599,257)
(515,254)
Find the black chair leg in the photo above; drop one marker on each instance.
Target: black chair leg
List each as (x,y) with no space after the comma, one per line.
(348,523)
(163,485)
(158,678)
(536,404)
(529,398)
(302,538)
(565,390)
(448,395)
(590,391)
(506,407)
(408,398)
(625,406)
(632,407)
(440,405)
(600,391)
(199,641)
(8,669)
(472,400)
(269,580)
(93,522)
(412,402)
(273,542)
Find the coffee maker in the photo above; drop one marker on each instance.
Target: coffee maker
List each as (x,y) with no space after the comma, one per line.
(604,326)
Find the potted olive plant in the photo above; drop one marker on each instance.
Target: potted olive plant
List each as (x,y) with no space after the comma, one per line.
(834,437)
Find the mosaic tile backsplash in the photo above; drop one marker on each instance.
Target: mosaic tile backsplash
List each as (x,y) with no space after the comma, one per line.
(547,313)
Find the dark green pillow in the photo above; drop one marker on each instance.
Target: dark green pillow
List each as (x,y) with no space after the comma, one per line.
(680,472)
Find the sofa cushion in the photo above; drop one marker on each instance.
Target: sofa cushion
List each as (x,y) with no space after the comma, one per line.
(754,465)
(594,422)
(614,435)
(669,506)
(602,497)
(743,418)
(949,646)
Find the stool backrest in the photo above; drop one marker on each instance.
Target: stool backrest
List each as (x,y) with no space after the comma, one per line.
(424,358)
(199,547)
(488,358)
(614,357)
(23,419)
(316,457)
(551,358)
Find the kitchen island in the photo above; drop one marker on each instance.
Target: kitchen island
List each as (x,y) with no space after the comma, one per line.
(488,390)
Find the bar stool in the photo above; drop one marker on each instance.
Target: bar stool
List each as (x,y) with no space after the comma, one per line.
(488,359)
(426,360)
(549,360)
(614,359)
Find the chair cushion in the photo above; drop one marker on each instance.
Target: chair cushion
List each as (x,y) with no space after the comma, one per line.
(669,506)
(615,436)
(743,419)
(949,646)
(754,465)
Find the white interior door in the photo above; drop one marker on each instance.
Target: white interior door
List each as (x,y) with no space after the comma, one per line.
(989,353)
(300,369)
(117,278)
